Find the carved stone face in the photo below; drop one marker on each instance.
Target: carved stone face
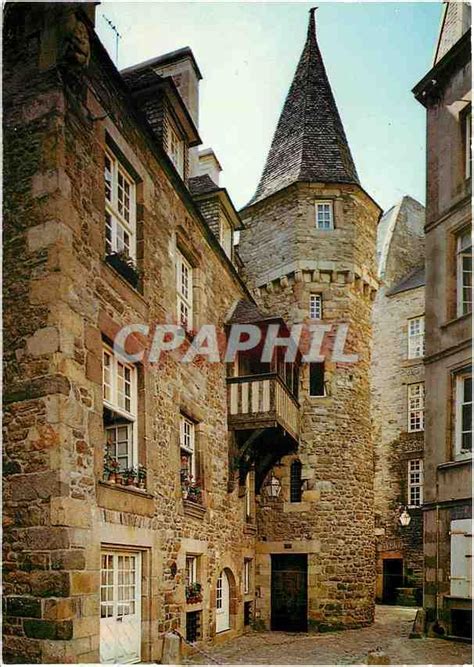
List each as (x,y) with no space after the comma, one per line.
(76,42)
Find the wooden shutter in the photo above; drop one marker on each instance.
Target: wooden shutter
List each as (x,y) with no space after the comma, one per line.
(461,557)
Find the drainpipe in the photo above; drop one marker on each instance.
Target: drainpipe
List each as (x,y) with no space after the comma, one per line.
(437,560)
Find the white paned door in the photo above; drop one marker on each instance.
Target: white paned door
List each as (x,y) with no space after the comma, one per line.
(222,603)
(120,607)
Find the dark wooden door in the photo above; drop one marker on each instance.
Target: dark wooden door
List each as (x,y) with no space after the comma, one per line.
(289,592)
(392,579)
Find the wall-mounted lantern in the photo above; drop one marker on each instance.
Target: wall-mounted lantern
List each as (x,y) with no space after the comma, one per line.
(404,517)
(273,487)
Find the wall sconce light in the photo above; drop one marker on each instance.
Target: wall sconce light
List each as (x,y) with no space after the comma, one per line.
(273,487)
(404,517)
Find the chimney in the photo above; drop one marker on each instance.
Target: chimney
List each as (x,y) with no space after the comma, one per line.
(208,164)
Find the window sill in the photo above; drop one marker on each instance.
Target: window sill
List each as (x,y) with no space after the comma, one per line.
(455,464)
(458,318)
(125,498)
(193,509)
(194,606)
(117,281)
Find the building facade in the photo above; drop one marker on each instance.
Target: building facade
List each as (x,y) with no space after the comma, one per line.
(398,403)
(445,92)
(308,247)
(131,481)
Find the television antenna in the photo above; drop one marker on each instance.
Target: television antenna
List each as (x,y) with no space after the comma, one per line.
(117,36)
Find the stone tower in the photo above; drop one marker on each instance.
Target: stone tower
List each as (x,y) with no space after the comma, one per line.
(309,254)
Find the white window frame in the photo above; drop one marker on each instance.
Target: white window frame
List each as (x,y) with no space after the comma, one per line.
(219,596)
(120,221)
(461,558)
(184,288)
(115,399)
(324,222)
(416,337)
(460,403)
(316,306)
(415,483)
(248,496)
(187,443)
(247,575)
(191,569)
(176,149)
(225,236)
(416,407)
(463,282)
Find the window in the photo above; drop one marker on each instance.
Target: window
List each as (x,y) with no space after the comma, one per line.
(324,215)
(461,556)
(467,143)
(193,626)
(120,215)
(415,482)
(187,447)
(219,592)
(248,497)
(416,406)
(464,273)
(120,414)
(316,307)
(247,575)
(225,236)
(295,482)
(416,337)
(463,415)
(184,280)
(191,570)
(176,150)
(316,379)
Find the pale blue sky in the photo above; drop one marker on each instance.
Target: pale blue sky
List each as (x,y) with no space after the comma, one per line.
(374,53)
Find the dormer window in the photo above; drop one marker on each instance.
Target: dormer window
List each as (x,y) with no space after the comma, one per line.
(324,215)
(176,150)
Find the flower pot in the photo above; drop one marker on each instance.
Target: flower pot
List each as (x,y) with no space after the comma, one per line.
(112,478)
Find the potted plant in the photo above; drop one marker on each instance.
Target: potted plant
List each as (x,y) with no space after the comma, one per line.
(111,469)
(141,476)
(124,264)
(193,593)
(194,492)
(129,476)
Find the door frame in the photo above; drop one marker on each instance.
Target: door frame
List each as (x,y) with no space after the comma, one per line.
(223,573)
(144,554)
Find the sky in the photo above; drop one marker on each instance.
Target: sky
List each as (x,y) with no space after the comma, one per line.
(374,53)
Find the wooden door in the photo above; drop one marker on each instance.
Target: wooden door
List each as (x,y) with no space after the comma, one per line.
(120,607)
(289,597)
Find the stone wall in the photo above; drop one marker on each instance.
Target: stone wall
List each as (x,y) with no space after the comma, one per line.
(62,301)
(286,260)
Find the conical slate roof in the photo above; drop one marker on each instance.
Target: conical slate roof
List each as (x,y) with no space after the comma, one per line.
(309,142)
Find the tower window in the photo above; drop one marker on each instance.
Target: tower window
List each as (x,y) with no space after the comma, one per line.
(316,379)
(316,307)
(295,482)
(415,482)
(416,407)
(324,215)
(416,337)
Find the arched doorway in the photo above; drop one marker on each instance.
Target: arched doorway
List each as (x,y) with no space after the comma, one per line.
(222,602)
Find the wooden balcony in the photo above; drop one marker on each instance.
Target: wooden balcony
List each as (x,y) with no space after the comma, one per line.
(261,402)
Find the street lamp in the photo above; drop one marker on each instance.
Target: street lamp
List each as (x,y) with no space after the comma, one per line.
(273,487)
(404,517)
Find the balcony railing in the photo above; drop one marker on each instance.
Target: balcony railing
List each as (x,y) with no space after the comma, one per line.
(262,401)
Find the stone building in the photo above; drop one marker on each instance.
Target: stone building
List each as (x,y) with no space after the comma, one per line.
(445,91)
(148,496)
(397,403)
(308,247)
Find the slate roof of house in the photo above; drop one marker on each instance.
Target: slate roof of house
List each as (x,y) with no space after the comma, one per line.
(412,280)
(309,142)
(247,312)
(200,185)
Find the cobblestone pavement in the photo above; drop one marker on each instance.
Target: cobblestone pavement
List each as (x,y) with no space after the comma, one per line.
(389,633)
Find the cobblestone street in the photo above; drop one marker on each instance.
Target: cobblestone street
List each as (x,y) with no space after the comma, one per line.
(389,634)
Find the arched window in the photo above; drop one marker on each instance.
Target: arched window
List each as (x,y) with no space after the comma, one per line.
(295,482)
